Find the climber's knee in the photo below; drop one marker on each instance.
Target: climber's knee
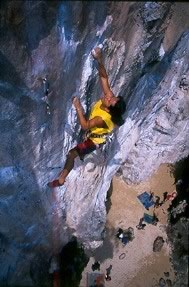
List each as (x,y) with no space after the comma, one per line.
(72,154)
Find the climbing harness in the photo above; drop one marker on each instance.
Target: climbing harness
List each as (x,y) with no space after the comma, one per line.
(102,148)
(93,135)
(89,134)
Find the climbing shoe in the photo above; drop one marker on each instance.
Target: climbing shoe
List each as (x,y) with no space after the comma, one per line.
(54,183)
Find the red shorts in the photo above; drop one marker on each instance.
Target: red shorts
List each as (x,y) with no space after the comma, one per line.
(85,147)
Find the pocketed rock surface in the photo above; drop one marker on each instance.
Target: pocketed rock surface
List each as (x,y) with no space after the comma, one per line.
(135,264)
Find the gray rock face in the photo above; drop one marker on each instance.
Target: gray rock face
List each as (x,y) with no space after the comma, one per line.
(146,47)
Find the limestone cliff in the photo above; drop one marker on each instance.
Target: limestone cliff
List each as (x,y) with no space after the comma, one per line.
(146,53)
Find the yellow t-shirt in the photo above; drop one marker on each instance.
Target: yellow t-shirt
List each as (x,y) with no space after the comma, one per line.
(98,112)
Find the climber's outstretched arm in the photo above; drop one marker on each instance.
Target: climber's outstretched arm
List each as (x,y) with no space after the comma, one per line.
(87,124)
(97,55)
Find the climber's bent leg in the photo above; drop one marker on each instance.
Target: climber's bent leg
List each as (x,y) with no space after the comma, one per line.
(68,165)
(72,154)
(80,150)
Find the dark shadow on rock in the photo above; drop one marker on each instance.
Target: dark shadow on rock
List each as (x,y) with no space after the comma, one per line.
(39,269)
(109,243)
(83,17)
(108,202)
(23,18)
(13,89)
(8,73)
(65,18)
(100,11)
(15,95)
(20,187)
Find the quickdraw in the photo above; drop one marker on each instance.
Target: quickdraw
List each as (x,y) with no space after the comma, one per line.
(46,93)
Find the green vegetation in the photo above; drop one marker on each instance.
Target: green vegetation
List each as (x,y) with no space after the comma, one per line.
(72,263)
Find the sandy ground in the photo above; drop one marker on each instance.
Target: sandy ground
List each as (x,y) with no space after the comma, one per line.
(138,265)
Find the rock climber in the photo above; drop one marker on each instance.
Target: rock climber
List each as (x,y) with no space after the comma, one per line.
(106,114)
